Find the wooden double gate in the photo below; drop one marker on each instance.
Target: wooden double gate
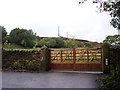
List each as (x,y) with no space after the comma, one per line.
(77,59)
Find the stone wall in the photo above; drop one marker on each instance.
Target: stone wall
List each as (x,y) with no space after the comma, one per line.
(17,60)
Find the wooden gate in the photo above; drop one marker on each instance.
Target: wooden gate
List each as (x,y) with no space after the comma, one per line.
(77,59)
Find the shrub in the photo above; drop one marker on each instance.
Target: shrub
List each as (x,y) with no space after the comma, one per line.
(17,65)
(108,82)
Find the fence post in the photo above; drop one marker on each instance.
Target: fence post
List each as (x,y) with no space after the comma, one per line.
(61,56)
(105,59)
(74,58)
(45,55)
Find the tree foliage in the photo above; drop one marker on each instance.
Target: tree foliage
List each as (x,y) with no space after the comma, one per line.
(52,42)
(113,41)
(59,43)
(70,43)
(113,7)
(3,33)
(22,37)
(49,42)
(115,13)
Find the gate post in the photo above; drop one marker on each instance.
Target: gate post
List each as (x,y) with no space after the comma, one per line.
(45,53)
(105,59)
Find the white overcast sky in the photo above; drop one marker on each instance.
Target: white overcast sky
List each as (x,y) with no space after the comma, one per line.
(44,17)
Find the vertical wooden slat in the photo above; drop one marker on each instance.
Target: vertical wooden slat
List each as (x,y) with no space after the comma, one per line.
(87,55)
(61,55)
(74,58)
(102,62)
(102,59)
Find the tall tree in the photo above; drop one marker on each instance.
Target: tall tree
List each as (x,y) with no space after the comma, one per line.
(3,34)
(22,37)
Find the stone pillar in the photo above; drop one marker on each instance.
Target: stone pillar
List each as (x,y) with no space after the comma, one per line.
(45,58)
(105,59)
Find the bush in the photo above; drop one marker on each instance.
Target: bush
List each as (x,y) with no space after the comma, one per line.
(17,65)
(32,66)
(52,42)
(108,82)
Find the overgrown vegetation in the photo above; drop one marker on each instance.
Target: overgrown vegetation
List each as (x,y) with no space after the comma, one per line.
(12,46)
(111,81)
(108,82)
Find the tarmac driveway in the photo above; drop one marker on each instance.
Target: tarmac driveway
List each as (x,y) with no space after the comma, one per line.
(48,80)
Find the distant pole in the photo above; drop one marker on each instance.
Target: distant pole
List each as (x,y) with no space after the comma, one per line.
(67,34)
(58,31)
